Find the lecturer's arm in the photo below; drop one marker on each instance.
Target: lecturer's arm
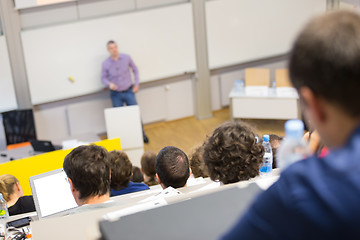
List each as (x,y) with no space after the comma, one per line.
(104,78)
(136,75)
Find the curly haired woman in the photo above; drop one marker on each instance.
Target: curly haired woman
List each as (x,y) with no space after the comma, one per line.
(232,153)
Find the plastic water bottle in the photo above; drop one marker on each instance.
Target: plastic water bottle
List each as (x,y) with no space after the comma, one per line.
(293,148)
(272,89)
(240,86)
(4,215)
(266,166)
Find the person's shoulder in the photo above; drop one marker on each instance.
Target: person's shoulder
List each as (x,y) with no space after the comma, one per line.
(106,61)
(139,185)
(26,199)
(124,55)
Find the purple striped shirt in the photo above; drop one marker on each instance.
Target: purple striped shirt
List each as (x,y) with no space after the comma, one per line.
(118,72)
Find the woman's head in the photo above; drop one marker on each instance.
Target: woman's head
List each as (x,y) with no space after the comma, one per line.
(121,170)
(148,164)
(9,185)
(232,153)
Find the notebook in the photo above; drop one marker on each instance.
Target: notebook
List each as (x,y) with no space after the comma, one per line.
(52,194)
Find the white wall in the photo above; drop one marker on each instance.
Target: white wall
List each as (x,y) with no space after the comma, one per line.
(78,10)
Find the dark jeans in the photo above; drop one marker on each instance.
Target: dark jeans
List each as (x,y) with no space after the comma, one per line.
(119,98)
(128,97)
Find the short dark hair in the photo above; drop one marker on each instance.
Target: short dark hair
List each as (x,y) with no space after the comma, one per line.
(110,42)
(121,170)
(137,176)
(172,167)
(197,164)
(232,153)
(89,169)
(325,58)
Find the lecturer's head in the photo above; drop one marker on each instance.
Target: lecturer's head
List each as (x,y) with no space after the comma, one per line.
(324,68)
(112,48)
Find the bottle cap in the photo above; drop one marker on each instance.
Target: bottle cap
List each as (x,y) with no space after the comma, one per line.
(294,129)
(266,138)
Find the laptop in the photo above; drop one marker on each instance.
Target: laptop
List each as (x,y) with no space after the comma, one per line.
(52,194)
(43,146)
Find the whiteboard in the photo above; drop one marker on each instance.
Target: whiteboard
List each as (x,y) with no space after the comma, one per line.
(244,30)
(160,41)
(7,91)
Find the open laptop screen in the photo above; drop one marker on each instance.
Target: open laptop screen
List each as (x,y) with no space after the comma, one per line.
(51,192)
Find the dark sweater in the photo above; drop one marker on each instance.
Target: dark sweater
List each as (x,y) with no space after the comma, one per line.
(24,204)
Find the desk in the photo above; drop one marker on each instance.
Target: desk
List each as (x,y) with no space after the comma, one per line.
(85,225)
(28,151)
(281,105)
(17,153)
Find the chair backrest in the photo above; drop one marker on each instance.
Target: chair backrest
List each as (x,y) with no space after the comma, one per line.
(282,78)
(257,77)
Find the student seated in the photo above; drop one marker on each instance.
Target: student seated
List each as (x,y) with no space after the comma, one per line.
(88,172)
(172,167)
(197,164)
(318,198)
(275,141)
(121,172)
(231,154)
(12,192)
(137,176)
(148,168)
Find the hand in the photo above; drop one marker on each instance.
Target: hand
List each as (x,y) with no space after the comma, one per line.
(112,86)
(135,89)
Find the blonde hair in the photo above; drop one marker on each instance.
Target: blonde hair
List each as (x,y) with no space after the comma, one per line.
(7,183)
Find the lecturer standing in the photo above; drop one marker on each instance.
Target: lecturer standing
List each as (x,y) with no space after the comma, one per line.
(117,77)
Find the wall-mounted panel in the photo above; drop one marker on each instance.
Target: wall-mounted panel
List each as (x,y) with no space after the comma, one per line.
(95,8)
(244,30)
(7,90)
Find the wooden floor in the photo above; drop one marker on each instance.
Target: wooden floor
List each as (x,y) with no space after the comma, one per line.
(187,133)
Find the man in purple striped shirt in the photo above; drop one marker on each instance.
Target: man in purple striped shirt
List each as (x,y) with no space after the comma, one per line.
(117,77)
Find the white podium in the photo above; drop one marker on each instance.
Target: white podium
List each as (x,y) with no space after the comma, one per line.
(125,123)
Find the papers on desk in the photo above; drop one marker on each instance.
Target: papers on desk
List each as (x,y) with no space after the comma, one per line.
(168,192)
(286,92)
(147,192)
(264,91)
(257,91)
(195,181)
(208,187)
(73,143)
(266,182)
(113,216)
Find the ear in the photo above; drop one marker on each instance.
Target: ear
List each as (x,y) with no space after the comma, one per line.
(190,172)
(158,179)
(73,189)
(18,187)
(314,106)
(75,193)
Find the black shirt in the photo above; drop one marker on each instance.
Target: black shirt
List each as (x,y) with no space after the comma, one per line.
(24,204)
